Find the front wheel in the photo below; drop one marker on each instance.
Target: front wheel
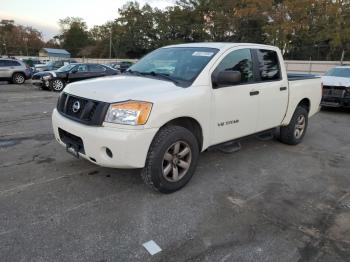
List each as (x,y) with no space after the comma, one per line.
(294,133)
(57,85)
(171,160)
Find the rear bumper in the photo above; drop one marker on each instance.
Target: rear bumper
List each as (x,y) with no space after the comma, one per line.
(129,147)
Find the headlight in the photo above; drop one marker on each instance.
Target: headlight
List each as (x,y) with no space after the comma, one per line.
(46,78)
(129,113)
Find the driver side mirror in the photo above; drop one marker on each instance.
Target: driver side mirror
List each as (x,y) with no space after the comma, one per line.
(74,71)
(228,78)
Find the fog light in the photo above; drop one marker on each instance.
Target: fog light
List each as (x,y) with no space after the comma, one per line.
(109,152)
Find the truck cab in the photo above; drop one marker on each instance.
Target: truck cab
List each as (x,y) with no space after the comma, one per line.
(180,100)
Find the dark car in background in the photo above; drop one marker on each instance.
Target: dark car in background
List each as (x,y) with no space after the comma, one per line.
(57,80)
(53,65)
(14,71)
(122,66)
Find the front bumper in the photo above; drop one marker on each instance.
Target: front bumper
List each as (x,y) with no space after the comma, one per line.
(332,101)
(336,96)
(41,83)
(128,146)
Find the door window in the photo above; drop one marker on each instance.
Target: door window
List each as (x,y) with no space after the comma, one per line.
(239,60)
(58,64)
(97,68)
(11,63)
(269,67)
(82,68)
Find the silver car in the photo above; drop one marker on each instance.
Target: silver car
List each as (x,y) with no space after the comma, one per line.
(15,71)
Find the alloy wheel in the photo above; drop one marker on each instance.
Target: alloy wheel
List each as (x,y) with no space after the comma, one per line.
(177,161)
(19,79)
(300,126)
(57,85)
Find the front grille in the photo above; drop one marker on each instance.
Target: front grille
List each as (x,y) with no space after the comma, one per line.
(337,91)
(86,111)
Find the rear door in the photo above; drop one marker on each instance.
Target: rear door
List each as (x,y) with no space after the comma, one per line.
(96,70)
(8,68)
(3,69)
(273,88)
(235,106)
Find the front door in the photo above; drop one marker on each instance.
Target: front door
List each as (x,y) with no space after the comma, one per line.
(79,72)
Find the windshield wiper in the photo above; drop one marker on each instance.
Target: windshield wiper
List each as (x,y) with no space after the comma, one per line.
(152,73)
(164,76)
(133,72)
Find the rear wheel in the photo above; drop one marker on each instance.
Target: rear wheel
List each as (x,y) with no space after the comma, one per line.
(18,78)
(171,160)
(294,133)
(57,85)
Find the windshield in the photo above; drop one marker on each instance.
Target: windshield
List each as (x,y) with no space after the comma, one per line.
(183,64)
(66,68)
(339,72)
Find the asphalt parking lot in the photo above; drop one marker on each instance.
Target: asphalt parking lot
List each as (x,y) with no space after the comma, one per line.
(268,202)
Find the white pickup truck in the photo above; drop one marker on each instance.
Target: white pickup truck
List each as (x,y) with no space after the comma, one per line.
(179,101)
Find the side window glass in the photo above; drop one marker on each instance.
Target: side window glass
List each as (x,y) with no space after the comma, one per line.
(239,60)
(82,68)
(269,67)
(96,68)
(15,63)
(2,63)
(9,63)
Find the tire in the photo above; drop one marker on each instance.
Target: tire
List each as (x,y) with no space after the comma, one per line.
(294,133)
(164,159)
(18,78)
(44,86)
(57,85)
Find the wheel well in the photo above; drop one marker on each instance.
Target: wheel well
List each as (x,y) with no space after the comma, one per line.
(17,72)
(190,124)
(305,103)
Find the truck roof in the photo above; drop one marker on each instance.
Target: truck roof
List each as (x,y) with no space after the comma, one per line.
(220,45)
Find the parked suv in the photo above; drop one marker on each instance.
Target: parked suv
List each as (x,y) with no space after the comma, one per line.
(15,71)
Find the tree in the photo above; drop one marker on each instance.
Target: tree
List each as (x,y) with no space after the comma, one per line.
(18,39)
(74,35)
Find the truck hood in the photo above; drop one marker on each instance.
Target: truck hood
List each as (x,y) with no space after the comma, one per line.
(120,88)
(336,81)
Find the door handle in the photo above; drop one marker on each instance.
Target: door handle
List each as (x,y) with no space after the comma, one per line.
(283,88)
(254,93)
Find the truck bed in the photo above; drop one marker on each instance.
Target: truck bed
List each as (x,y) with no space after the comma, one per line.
(295,77)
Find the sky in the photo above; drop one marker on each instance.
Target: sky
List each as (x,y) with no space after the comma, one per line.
(44,14)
